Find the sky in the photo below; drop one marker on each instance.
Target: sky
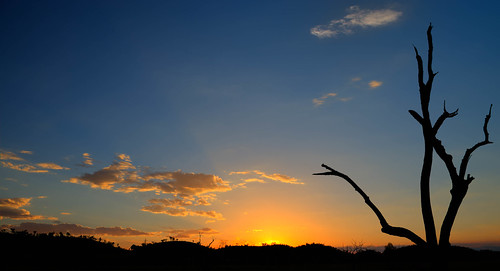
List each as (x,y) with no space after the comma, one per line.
(139,120)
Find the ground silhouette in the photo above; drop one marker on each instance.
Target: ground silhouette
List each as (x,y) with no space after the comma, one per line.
(21,250)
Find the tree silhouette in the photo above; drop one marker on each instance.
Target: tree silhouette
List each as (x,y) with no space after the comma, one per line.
(460,182)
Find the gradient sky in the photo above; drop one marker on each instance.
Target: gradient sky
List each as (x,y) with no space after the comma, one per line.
(138,120)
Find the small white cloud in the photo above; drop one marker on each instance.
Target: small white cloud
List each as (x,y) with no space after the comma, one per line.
(356,18)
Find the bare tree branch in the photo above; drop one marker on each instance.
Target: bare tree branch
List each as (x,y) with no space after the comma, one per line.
(429,57)
(420,65)
(416,116)
(468,152)
(443,117)
(386,228)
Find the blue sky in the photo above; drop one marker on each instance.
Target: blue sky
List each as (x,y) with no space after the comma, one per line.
(233,105)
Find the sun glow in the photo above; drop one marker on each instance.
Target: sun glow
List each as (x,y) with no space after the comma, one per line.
(271,242)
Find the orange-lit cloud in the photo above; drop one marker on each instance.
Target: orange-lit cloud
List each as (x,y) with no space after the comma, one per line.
(15,202)
(51,166)
(11,208)
(76,229)
(181,211)
(177,207)
(119,172)
(188,189)
(184,234)
(26,166)
(6,155)
(26,152)
(65,213)
(122,176)
(375,84)
(23,167)
(87,160)
(274,176)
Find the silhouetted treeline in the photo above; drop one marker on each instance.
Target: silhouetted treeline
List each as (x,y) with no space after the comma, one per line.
(59,251)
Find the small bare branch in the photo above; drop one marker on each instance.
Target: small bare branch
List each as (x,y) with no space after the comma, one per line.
(386,228)
(468,152)
(443,117)
(420,65)
(416,116)
(429,55)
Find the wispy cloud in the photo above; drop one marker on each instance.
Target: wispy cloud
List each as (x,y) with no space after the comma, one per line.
(356,18)
(181,211)
(7,155)
(76,229)
(273,176)
(184,234)
(375,84)
(87,160)
(179,207)
(17,163)
(23,167)
(320,101)
(11,208)
(51,166)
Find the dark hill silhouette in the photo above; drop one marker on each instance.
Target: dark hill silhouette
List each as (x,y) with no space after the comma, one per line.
(21,250)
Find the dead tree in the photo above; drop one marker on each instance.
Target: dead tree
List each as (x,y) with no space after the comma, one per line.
(460,182)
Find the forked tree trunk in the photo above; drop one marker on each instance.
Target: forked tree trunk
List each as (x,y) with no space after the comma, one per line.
(460,183)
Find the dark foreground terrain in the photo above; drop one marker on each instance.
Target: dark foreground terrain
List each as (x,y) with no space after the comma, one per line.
(32,251)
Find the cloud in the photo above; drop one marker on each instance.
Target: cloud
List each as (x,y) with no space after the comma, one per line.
(375,84)
(119,172)
(181,211)
(254,180)
(7,155)
(26,152)
(23,167)
(65,213)
(184,183)
(346,99)
(275,177)
(188,189)
(87,160)
(122,176)
(26,166)
(177,207)
(184,234)
(51,166)
(15,202)
(76,229)
(11,208)
(320,101)
(356,18)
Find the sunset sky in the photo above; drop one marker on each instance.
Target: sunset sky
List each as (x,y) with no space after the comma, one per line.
(139,120)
